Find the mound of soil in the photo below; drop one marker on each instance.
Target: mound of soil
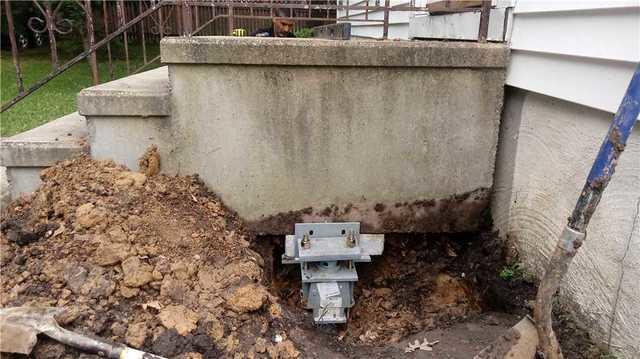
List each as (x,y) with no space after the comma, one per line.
(159,263)
(156,262)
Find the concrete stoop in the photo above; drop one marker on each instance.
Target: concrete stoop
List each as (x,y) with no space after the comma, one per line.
(400,136)
(23,156)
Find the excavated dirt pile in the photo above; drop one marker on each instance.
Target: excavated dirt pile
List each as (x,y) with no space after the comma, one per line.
(159,263)
(155,262)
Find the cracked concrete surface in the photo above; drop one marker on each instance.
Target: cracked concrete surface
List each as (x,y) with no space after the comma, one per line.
(632,234)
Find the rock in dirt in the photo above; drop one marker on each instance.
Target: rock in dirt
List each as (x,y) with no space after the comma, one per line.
(173,289)
(137,334)
(149,163)
(128,178)
(247,298)
(129,292)
(97,285)
(283,350)
(88,215)
(75,277)
(216,329)
(69,314)
(190,355)
(109,253)
(261,345)
(136,273)
(275,310)
(178,317)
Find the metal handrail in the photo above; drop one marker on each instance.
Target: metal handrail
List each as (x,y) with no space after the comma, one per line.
(92,49)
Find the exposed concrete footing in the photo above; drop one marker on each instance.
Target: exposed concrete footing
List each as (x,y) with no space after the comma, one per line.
(458,213)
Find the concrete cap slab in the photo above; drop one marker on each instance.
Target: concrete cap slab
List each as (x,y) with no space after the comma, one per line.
(43,146)
(317,52)
(144,94)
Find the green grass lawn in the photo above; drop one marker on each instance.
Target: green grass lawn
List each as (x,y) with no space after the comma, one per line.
(58,97)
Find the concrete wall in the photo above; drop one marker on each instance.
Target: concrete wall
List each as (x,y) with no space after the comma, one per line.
(546,149)
(280,130)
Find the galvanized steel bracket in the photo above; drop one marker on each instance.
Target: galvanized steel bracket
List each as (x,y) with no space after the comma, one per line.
(327,253)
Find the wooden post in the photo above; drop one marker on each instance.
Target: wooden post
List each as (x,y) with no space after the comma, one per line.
(14,46)
(142,36)
(161,21)
(105,19)
(93,61)
(48,14)
(197,14)
(385,27)
(230,21)
(187,20)
(123,21)
(484,21)
(366,11)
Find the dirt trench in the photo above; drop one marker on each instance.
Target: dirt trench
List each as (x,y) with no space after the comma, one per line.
(442,288)
(159,263)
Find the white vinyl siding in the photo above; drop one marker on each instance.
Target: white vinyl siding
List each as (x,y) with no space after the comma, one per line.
(583,52)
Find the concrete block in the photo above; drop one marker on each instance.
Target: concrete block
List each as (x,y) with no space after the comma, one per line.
(458,26)
(145,94)
(341,31)
(5,195)
(125,139)
(316,52)
(342,135)
(23,180)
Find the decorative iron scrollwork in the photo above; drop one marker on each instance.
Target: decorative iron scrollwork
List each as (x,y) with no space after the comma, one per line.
(41,24)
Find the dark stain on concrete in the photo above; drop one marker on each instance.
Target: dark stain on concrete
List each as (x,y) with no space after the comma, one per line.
(458,213)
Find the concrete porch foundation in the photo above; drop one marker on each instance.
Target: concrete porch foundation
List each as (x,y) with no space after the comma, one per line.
(281,130)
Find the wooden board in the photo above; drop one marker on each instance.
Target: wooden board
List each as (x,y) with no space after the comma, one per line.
(449,6)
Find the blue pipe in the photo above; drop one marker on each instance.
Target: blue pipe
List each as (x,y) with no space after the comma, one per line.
(605,163)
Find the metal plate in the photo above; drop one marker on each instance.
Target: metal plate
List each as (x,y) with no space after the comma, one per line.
(310,292)
(316,273)
(328,249)
(330,315)
(316,230)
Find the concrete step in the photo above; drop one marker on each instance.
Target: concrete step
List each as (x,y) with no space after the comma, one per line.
(24,155)
(145,94)
(126,116)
